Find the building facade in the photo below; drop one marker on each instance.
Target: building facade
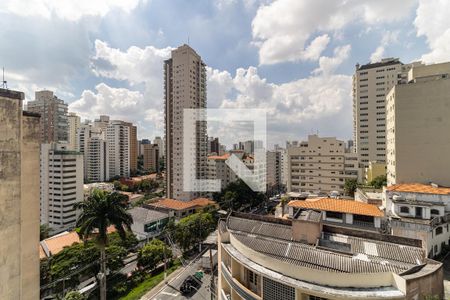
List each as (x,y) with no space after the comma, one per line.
(19,204)
(420,211)
(273,169)
(150,153)
(118,138)
(418,127)
(185,88)
(320,165)
(160,142)
(74,122)
(61,186)
(53,123)
(267,258)
(133,146)
(371,83)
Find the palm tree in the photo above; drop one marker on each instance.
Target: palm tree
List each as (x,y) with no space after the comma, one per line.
(101,210)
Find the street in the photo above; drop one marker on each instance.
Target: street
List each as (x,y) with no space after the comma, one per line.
(172,289)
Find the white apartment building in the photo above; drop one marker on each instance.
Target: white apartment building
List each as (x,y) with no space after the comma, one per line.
(418,127)
(74,123)
(61,186)
(96,159)
(53,111)
(118,138)
(218,169)
(371,83)
(92,144)
(185,87)
(419,211)
(320,166)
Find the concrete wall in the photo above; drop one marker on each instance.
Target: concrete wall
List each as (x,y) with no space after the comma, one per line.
(19,200)
(418,133)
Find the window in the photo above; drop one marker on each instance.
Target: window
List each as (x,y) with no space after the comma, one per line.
(275,290)
(404,210)
(334,215)
(439,230)
(435,212)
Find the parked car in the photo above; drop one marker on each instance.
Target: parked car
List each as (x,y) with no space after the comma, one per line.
(190,285)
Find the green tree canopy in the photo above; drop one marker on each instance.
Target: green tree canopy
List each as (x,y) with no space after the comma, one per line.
(238,195)
(74,295)
(379,181)
(192,230)
(153,253)
(98,212)
(350,186)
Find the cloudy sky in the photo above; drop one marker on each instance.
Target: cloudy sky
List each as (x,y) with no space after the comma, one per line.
(294,58)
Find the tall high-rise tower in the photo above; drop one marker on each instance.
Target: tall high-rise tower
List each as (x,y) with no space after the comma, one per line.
(54,125)
(371,83)
(185,88)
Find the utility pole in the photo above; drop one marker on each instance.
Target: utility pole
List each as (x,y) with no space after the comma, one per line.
(211,286)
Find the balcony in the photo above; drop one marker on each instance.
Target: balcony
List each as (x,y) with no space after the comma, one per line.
(240,289)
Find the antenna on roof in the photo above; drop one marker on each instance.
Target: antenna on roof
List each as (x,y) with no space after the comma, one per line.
(188,40)
(4,82)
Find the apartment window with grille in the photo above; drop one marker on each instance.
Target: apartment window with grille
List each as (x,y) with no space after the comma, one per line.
(273,290)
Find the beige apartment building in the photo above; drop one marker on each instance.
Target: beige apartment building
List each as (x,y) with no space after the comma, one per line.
(118,138)
(74,123)
(185,88)
(261,257)
(320,165)
(418,127)
(19,199)
(133,146)
(371,83)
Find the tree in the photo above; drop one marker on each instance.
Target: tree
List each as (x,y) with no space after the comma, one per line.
(74,295)
(350,186)
(379,181)
(44,230)
(283,202)
(153,253)
(238,196)
(192,230)
(98,212)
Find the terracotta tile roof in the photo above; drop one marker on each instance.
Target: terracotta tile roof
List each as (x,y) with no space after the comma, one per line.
(339,205)
(57,243)
(419,188)
(144,177)
(181,205)
(220,157)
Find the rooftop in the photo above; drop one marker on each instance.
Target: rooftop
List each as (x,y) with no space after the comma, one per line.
(338,205)
(419,188)
(334,252)
(181,205)
(145,215)
(383,63)
(220,157)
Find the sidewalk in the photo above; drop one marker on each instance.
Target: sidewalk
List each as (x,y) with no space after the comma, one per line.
(155,291)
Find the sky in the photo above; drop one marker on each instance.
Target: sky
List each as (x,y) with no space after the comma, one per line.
(293,58)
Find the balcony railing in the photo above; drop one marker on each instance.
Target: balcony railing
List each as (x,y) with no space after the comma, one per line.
(237,286)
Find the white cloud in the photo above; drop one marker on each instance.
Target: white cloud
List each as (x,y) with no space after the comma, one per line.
(433,22)
(282,28)
(71,10)
(290,105)
(389,37)
(327,65)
